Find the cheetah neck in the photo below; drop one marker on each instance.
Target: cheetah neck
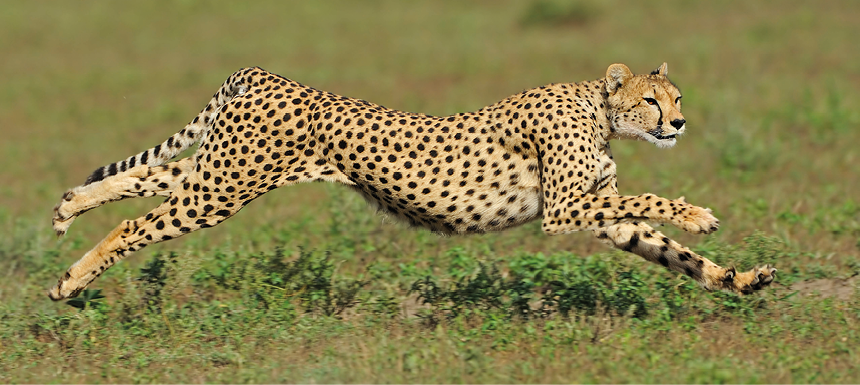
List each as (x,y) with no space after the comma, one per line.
(593,94)
(539,114)
(525,123)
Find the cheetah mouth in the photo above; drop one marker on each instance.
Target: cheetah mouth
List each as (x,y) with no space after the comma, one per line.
(657,133)
(664,137)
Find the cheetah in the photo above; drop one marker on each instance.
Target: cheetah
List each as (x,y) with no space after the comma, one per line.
(543,153)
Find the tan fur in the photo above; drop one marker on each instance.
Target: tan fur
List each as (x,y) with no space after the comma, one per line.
(543,153)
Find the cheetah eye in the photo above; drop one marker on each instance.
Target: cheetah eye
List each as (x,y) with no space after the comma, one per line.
(677,100)
(651,101)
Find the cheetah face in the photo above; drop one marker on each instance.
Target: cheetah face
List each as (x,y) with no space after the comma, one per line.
(644,107)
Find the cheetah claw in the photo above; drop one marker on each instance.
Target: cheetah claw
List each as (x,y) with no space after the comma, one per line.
(749,281)
(61,223)
(72,283)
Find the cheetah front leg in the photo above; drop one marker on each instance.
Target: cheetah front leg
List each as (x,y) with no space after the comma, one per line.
(591,212)
(619,221)
(641,239)
(140,181)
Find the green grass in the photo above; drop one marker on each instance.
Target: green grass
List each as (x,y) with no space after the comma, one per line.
(308,285)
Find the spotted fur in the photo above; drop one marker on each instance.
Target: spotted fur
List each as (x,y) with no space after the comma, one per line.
(543,153)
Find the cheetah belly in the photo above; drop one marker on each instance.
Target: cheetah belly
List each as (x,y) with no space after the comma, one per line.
(450,204)
(470,217)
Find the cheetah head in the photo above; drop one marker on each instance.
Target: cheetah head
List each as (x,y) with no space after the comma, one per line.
(644,107)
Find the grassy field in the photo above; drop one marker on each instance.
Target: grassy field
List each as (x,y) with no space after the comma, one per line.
(308,285)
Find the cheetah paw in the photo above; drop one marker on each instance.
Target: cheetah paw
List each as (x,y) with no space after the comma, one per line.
(65,288)
(62,219)
(698,220)
(749,281)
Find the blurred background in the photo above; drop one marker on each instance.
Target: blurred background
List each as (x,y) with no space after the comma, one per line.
(768,92)
(770,97)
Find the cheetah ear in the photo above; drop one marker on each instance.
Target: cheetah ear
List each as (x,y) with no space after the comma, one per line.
(661,70)
(617,75)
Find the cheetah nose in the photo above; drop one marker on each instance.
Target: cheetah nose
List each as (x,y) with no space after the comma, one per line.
(678,123)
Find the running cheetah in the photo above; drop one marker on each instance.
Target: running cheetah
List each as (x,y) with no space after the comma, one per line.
(540,154)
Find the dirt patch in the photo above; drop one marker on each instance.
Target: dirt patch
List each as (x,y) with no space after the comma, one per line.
(840,288)
(412,305)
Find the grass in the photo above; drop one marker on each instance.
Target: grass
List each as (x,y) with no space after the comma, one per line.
(308,285)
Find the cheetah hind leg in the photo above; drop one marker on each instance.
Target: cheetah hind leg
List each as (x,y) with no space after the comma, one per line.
(180,214)
(163,223)
(140,181)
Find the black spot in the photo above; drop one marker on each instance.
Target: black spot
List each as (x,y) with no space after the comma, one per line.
(634,241)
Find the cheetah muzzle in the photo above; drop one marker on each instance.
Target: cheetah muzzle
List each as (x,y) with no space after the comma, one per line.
(541,154)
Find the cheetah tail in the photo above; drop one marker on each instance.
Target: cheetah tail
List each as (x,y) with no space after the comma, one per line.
(192,133)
